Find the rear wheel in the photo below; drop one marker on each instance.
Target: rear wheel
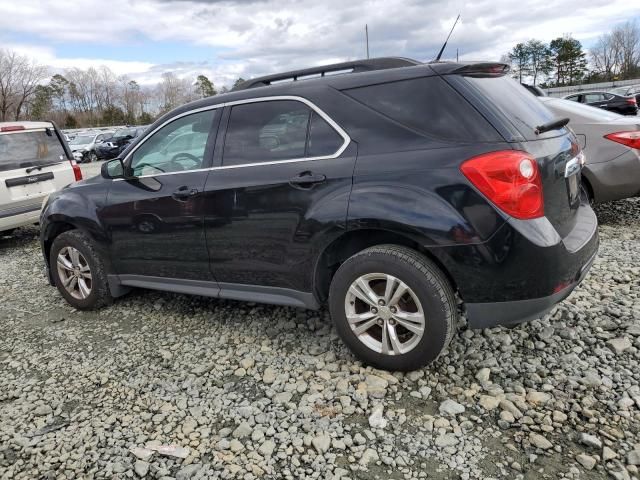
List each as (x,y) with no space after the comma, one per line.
(393,307)
(78,271)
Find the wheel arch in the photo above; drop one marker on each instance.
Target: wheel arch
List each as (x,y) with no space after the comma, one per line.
(354,241)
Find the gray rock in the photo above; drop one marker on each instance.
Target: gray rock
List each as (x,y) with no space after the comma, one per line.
(539,441)
(185,473)
(619,345)
(451,408)
(589,440)
(587,461)
(141,468)
(321,443)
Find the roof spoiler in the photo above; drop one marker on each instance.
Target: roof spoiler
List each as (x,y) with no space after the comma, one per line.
(355,66)
(472,68)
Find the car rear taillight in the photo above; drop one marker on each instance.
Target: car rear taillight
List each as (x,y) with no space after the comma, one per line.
(630,139)
(76,170)
(12,128)
(510,179)
(631,100)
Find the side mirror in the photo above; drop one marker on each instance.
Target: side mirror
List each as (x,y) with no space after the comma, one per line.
(113,169)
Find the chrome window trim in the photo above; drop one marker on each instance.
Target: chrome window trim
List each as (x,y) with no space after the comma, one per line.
(313,106)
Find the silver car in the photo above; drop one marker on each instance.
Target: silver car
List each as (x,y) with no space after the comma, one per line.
(612,147)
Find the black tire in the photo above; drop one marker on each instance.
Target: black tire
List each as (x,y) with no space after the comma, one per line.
(427,282)
(99,295)
(92,157)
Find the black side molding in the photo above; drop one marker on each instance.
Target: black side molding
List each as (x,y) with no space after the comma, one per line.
(28,180)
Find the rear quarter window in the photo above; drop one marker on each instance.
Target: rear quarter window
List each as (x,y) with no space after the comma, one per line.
(29,148)
(429,107)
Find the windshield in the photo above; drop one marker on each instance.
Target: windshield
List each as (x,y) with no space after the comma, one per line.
(27,149)
(577,110)
(82,140)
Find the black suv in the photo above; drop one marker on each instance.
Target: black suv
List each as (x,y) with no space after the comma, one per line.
(387,189)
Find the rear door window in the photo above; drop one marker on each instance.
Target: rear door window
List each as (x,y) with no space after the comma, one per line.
(428,106)
(323,138)
(29,148)
(266,131)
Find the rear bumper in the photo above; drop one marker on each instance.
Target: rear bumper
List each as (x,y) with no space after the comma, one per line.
(491,314)
(523,270)
(615,179)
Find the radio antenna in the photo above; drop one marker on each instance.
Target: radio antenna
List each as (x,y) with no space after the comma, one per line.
(445,42)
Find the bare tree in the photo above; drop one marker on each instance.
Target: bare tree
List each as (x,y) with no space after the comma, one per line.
(30,75)
(627,37)
(604,56)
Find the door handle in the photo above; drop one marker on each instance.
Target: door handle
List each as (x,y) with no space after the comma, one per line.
(184,192)
(306,180)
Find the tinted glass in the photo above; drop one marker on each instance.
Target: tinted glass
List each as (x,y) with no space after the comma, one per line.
(574,98)
(266,131)
(176,147)
(524,110)
(428,106)
(323,139)
(593,97)
(26,149)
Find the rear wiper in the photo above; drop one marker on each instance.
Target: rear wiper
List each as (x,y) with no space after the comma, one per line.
(40,167)
(553,125)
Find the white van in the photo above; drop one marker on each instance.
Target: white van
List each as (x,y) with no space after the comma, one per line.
(34,162)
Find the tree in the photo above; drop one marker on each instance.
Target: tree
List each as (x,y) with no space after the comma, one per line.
(238,82)
(568,59)
(19,78)
(627,40)
(205,87)
(70,121)
(605,57)
(145,118)
(42,103)
(539,59)
(519,57)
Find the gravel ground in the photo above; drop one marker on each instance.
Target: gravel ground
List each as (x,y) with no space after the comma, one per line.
(173,386)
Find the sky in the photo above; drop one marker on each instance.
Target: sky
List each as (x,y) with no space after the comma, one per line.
(227,39)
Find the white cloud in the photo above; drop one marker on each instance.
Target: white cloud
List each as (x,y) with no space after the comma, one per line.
(259,37)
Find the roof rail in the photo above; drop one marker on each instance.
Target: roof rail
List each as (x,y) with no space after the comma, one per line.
(354,66)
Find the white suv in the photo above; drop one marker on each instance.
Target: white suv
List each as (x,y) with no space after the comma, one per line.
(34,162)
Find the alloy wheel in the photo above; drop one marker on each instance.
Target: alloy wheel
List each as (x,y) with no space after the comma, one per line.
(384,314)
(74,272)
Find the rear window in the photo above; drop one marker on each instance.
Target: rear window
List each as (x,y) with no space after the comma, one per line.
(515,103)
(27,149)
(428,106)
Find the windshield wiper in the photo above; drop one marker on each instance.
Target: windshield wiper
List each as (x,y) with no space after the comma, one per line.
(40,167)
(552,125)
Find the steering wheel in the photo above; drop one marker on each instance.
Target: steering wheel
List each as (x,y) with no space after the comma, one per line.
(187,156)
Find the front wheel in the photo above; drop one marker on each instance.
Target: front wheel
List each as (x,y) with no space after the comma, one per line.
(393,307)
(78,271)
(93,157)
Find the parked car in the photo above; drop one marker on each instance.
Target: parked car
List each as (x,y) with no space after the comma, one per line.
(411,186)
(628,91)
(84,145)
(607,101)
(611,146)
(34,162)
(112,147)
(535,90)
